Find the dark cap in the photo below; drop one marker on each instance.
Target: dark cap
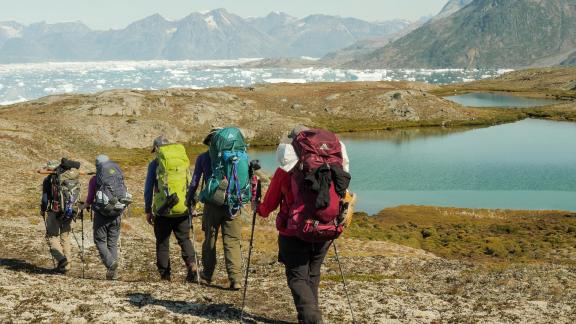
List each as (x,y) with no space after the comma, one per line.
(208,137)
(297,130)
(159,141)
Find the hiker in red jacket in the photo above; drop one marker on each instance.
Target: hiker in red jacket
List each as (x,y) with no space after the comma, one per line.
(302,260)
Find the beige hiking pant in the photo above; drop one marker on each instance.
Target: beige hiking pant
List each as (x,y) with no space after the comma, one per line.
(58,236)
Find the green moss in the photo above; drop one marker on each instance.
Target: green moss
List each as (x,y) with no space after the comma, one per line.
(523,237)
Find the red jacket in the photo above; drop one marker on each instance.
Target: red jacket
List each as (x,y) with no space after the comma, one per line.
(279,194)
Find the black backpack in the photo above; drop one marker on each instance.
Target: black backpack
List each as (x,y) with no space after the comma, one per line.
(112,197)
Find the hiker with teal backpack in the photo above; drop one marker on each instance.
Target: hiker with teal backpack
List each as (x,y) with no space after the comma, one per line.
(108,197)
(167,180)
(60,195)
(226,189)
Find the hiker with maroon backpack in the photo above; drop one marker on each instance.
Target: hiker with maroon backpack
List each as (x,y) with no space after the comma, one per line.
(308,187)
(108,198)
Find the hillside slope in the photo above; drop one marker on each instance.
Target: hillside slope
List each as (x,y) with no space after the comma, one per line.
(486,34)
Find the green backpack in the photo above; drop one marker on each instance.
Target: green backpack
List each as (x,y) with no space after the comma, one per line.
(229,184)
(173,178)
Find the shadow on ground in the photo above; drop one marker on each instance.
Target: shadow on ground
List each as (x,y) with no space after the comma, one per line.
(24,266)
(208,311)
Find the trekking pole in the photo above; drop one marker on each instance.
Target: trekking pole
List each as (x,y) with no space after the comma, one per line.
(49,246)
(82,226)
(344,282)
(194,245)
(257,200)
(120,240)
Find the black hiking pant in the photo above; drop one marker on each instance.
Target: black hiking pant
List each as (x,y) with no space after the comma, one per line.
(302,261)
(163,228)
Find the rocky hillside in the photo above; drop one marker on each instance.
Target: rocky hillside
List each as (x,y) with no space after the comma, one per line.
(486,34)
(552,82)
(217,34)
(125,118)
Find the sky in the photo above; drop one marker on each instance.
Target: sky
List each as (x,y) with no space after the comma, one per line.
(106,14)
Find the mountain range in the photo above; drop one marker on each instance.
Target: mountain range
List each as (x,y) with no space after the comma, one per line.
(485,34)
(217,34)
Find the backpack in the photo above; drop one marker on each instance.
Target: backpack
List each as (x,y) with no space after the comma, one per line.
(65,192)
(229,184)
(173,178)
(112,197)
(318,185)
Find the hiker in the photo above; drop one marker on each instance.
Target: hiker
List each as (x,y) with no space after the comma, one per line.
(223,195)
(303,253)
(60,193)
(167,179)
(108,197)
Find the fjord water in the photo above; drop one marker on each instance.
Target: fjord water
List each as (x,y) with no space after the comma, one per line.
(21,82)
(529,164)
(490,99)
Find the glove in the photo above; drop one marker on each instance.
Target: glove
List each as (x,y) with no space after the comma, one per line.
(150,218)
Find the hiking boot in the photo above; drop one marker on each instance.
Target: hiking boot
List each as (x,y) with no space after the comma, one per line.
(62,266)
(165,276)
(235,285)
(204,279)
(112,272)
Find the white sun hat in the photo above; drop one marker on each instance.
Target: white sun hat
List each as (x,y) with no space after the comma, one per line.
(286,156)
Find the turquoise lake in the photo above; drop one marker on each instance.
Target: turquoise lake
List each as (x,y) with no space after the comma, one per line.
(530,164)
(481,99)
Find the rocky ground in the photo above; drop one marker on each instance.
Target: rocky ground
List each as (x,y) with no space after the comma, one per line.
(393,275)
(388,283)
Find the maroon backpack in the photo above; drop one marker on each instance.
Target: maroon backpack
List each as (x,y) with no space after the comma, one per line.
(316,205)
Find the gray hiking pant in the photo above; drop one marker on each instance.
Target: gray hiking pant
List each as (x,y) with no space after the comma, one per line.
(106,235)
(58,236)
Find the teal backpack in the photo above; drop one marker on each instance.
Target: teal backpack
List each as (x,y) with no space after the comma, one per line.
(229,184)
